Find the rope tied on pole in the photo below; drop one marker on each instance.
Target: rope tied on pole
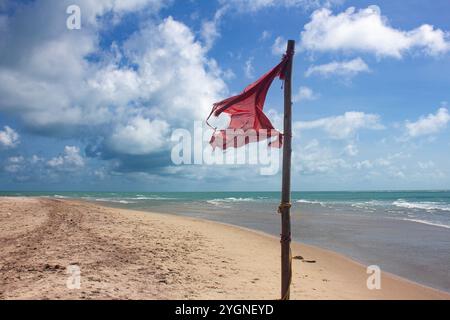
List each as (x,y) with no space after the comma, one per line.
(284,205)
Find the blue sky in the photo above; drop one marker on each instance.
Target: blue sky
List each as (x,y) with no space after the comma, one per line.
(94,109)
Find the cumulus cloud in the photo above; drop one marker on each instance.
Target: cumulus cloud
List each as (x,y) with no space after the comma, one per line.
(71,159)
(316,159)
(366,30)
(430,124)
(304,94)
(365,164)
(390,165)
(9,138)
(62,83)
(14,164)
(36,168)
(177,77)
(343,126)
(351,150)
(140,136)
(426,165)
(345,68)
(44,73)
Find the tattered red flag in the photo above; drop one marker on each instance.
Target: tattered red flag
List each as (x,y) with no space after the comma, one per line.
(248,121)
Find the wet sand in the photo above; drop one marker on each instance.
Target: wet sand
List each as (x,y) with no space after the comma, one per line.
(125,254)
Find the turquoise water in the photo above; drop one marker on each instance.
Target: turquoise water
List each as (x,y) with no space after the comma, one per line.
(426,207)
(406,233)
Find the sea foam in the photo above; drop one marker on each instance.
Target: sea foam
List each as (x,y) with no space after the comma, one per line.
(428,206)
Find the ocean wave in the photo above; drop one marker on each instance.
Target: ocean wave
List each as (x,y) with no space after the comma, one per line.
(311,202)
(225,202)
(364,206)
(428,206)
(149,198)
(232,199)
(113,200)
(57,196)
(428,223)
(371,205)
(218,203)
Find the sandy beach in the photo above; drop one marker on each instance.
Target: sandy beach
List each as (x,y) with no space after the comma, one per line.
(124,254)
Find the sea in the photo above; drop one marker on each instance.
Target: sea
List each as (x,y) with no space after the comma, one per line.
(406,233)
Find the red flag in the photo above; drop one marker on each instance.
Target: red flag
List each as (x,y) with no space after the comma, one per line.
(248,121)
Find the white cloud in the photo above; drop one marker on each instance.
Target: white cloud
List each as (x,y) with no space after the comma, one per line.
(52,86)
(431,124)
(265,35)
(279,46)
(43,72)
(343,126)
(228,74)
(140,136)
(316,159)
(387,162)
(91,10)
(256,5)
(36,168)
(133,5)
(36,159)
(14,164)
(426,165)
(276,118)
(351,150)
(177,78)
(69,160)
(9,138)
(365,164)
(366,30)
(304,94)
(249,70)
(345,68)
(210,33)
(210,28)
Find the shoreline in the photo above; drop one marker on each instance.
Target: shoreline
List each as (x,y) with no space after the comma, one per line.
(297,243)
(166,256)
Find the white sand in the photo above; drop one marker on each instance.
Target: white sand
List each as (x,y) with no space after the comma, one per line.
(135,255)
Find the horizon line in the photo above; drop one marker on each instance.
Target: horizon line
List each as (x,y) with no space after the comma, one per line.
(225,191)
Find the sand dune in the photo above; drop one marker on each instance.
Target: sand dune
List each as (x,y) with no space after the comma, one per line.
(135,255)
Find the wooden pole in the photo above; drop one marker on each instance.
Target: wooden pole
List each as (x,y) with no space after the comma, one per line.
(286,268)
